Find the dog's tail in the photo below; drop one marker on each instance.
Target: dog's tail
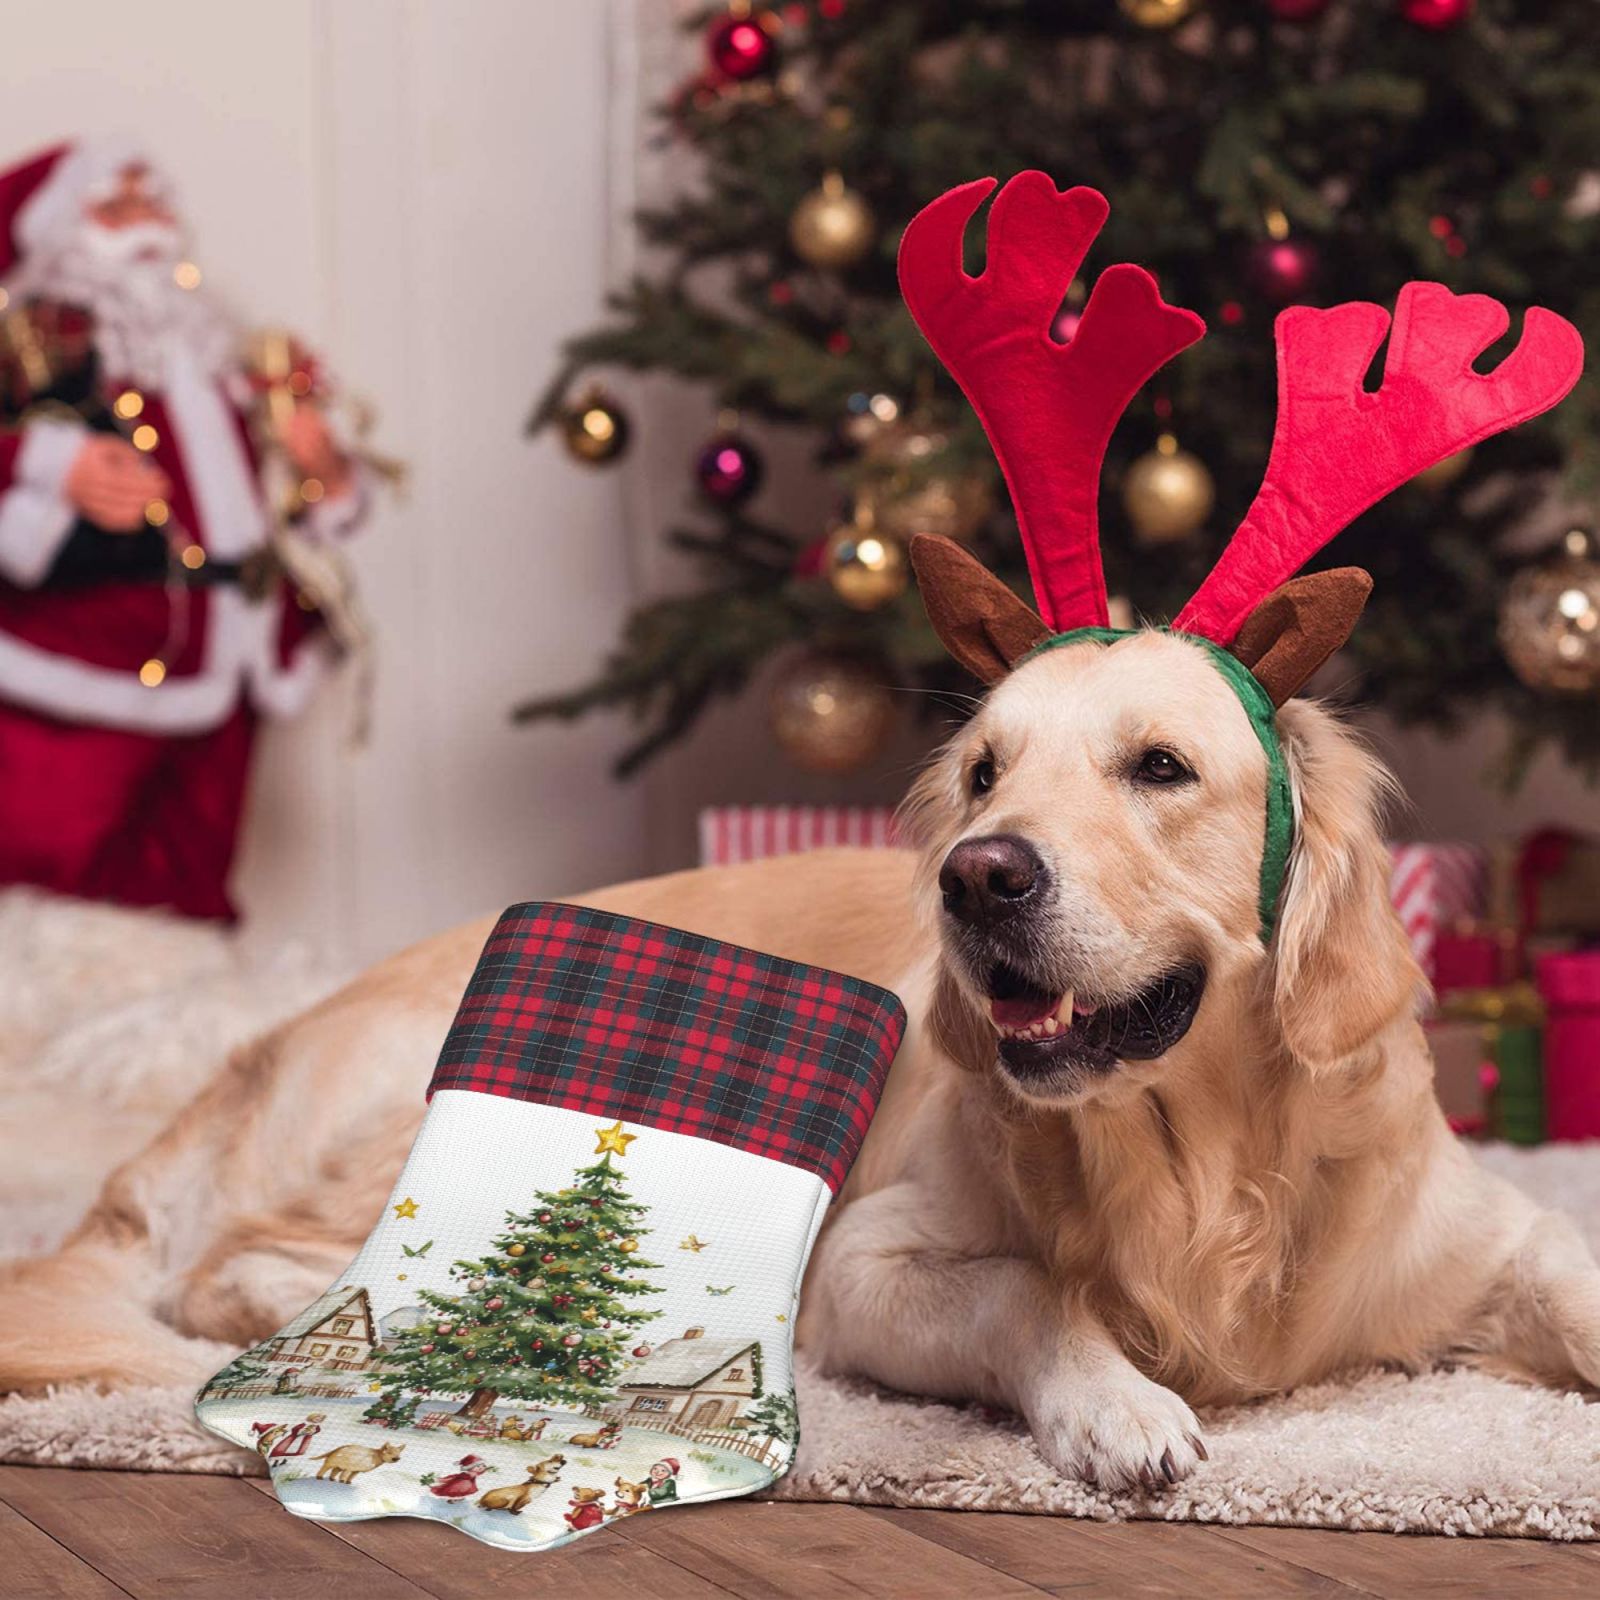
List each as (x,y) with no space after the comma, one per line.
(56,1332)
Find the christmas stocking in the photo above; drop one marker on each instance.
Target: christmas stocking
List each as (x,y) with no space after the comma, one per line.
(579,1304)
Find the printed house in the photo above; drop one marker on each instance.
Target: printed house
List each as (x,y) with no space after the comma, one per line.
(335,1331)
(692,1382)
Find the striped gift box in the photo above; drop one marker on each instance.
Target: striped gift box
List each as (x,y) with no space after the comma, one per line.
(1433,885)
(731,834)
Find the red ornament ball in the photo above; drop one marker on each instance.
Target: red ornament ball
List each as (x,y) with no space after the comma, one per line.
(547,1257)
(1297,10)
(728,471)
(538,1344)
(425,1349)
(740,48)
(493,1304)
(1283,269)
(572,1339)
(1436,15)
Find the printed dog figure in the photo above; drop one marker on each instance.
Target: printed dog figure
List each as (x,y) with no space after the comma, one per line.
(343,1463)
(604,1438)
(632,1498)
(514,1497)
(515,1428)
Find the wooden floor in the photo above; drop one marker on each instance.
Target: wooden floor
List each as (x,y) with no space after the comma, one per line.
(67,1535)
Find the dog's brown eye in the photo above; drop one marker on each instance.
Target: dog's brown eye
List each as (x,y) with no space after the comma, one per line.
(1161,766)
(982,780)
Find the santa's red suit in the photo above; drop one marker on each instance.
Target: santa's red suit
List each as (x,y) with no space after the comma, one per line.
(112,785)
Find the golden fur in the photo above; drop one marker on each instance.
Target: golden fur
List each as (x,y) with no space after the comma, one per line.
(1275,1199)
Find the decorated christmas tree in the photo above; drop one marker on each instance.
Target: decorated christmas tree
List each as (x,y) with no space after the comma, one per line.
(1257,154)
(542,1317)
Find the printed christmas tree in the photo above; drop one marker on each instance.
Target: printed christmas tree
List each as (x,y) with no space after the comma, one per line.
(545,1315)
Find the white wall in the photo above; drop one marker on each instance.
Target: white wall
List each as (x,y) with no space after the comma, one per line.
(425,190)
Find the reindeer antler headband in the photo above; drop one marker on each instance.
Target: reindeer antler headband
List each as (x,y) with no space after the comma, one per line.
(1049,410)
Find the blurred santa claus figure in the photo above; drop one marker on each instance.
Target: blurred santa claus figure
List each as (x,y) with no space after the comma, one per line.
(145,622)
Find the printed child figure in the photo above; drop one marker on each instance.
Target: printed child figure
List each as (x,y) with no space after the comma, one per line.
(586,1512)
(267,1434)
(663,1480)
(296,1440)
(461,1484)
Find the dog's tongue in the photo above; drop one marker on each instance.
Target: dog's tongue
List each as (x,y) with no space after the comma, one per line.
(1018,1013)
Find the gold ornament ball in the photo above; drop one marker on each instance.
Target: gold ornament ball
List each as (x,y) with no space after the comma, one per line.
(912,496)
(1168,493)
(867,569)
(830,713)
(595,430)
(628,1246)
(515,1249)
(1550,620)
(1157,13)
(832,226)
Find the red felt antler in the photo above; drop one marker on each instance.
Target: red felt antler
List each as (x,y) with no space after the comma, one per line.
(1338,449)
(1047,408)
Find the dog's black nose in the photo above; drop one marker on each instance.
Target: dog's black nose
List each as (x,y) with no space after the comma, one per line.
(988,880)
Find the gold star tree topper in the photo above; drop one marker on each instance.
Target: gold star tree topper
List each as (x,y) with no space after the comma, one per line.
(614,1140)
(406,1208)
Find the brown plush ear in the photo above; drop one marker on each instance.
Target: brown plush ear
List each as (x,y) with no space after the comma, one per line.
(1298,626)
(978,619)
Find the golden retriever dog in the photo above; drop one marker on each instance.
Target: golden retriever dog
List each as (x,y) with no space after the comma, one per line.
(1129,1161)
(1162,1133)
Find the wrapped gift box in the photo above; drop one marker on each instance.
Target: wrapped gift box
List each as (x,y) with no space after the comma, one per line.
(1464,1072)
(1438,888)
(1570,987)
(730,834)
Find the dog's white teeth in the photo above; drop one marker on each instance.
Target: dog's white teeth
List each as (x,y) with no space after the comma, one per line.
(1050,1024)
(1063,1013)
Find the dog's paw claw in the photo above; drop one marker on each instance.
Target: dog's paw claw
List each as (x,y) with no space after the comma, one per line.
(1127,1434)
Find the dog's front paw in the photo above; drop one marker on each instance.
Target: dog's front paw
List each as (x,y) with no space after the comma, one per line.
(1119,1431)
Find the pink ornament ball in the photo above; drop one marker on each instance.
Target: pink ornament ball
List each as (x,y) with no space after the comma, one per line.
(1436,16)
(740,48)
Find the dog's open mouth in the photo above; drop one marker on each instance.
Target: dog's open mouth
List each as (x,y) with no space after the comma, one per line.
(1041,1032)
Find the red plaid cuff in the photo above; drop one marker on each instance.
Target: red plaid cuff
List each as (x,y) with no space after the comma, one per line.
(626,1019)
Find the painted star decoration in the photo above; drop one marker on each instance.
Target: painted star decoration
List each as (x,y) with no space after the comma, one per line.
(406,1208)
(694,1244)
(614,1140)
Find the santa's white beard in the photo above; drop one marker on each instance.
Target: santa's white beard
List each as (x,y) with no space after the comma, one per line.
(124,278)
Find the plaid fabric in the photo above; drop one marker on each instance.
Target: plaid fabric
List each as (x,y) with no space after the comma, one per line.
(626,1019)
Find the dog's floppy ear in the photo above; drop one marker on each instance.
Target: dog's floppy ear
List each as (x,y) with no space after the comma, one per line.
(1343,969)
(978,619)
(1298,626)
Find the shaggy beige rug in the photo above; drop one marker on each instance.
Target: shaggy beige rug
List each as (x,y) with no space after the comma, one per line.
(1449,1452)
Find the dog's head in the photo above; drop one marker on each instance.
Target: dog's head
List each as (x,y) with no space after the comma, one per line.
(1092,848)
(1133,820)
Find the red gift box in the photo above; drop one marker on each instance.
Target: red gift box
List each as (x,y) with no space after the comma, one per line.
(1434,887)
(1570,987)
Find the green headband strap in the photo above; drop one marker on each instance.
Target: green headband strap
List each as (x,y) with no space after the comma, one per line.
(1258,707)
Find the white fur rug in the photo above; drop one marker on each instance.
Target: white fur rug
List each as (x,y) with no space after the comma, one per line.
(140,1010)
